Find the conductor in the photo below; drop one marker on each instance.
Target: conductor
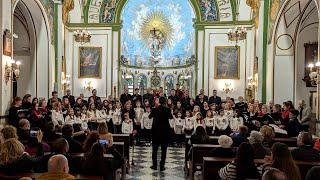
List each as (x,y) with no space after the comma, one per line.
(160,132)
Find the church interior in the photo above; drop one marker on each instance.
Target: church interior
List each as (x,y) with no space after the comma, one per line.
(84,83)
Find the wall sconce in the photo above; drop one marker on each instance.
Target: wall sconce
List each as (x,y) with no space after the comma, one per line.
(227,87)
(11,67)
(66,81)
(88,86)
(252,86)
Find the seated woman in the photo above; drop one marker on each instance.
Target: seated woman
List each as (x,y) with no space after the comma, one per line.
(225,150)
(243,167)
(14,160)
(200,136)
(95,164)
(255,140)
(104,133)
(268,135)
(281,159)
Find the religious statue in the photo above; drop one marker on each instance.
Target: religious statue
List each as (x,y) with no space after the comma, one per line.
(67,6)
(255,5)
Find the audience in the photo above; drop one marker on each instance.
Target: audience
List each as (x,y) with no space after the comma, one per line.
(58,168)
(281,159)
(305,150)
(313,173)
(243,167)
(225,149)
(256,140)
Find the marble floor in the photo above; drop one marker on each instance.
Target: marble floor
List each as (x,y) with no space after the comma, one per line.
(142,162)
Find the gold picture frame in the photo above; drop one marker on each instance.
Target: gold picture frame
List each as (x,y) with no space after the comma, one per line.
(227,62)
(90,62)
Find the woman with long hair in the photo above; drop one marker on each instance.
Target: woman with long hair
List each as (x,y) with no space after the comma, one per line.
(14,115)
(281,159)
(104,133)
(243,167)
(92,138)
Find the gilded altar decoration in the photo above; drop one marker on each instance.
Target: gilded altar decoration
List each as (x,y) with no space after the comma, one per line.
(67,6)
(255,5)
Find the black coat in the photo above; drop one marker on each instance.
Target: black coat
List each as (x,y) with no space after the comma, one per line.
(160,126)
(71,100)
(305,153)
(216,100)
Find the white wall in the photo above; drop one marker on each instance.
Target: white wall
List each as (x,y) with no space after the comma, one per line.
(101,37)
(217,36)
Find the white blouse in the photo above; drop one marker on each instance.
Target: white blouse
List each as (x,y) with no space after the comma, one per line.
(146,121)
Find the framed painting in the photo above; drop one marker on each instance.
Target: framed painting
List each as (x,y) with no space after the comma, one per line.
(227,62)
(7,43)
(90,62)
(311,56)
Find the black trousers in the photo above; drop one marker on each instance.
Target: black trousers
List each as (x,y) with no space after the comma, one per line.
(155,147)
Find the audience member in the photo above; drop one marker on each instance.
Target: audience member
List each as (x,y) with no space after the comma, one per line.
(58,168)
(305,150)
(256,140)
(225,149)
(268,136)
(243,167)
(281,159)
(313,173)
(74,145)
(240,136)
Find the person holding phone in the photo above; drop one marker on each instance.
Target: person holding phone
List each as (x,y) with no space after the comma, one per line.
(104,134)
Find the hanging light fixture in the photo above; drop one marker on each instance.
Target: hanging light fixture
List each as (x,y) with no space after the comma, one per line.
(238,33)
(82,36)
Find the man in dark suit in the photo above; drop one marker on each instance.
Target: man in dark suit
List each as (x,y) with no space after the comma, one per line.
(136,97)
(205,98)
(97,99)
(160,132)
(70,97)
(173,96)
(215,98)
(53,99)
(125,96)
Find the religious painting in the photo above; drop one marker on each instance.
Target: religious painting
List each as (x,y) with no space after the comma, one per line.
(227,62)
(208,10)
(90,62)
(155,82)
(108,12)
(311,56)
(7,43)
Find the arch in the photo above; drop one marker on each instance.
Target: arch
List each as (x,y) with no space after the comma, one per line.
(167,88)
(121,4)
(142,82)
(41,47)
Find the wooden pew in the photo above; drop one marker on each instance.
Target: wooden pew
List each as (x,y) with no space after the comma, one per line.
(119,146)
(212,165)
(126,139)
(35,175)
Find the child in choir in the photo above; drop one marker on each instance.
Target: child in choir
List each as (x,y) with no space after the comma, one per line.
(116,118)
(81,119)
(101,114)
(222,125)
(210,124)
(228,111)
(196,109)
(127,125)
(179,123)
(146,125)
(189,124)
(213,108)
(57,116)
(236,121)
(92,117)
(109,112)
(138,110)
(198,120)
(172,134)
(70,118)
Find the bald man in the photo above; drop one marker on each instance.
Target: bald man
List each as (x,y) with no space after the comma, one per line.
(58,168)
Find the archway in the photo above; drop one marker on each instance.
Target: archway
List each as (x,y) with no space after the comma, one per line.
(31,46)
(296,25)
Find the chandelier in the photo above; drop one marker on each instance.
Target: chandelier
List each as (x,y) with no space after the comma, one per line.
(238,33)
(82,36)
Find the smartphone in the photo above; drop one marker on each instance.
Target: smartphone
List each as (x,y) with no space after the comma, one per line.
(33,133)
(103,142)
